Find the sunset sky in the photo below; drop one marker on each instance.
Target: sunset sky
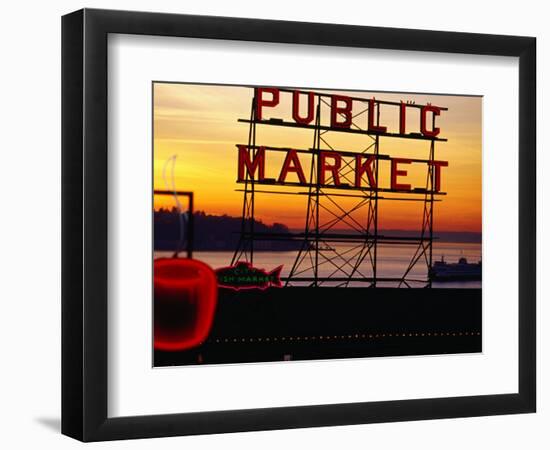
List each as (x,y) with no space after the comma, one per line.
(199,125)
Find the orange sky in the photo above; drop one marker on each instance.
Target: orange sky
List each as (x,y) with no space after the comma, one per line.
(198,124)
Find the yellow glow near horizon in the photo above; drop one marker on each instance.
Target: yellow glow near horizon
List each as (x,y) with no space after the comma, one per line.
(198,124)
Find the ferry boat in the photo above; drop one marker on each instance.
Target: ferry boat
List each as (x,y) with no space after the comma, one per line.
(460,271)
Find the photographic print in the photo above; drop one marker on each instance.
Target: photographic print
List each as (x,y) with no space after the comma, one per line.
(293,223)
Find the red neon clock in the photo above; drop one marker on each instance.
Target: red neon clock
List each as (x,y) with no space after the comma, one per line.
(185,298)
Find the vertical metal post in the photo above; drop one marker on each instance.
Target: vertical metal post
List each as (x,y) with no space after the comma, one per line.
(375,211)
(432,187)
(244,240)
(251,218)
(317,189)
(191,227)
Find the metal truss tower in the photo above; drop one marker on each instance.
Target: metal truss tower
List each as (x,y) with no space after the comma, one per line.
(328,256)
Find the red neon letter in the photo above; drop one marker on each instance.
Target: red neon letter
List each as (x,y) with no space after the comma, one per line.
(402,118)
(372,126)
(364,167)
(437,174)
(296,108)
(423,113)
(292,158)
(261,102)
(251,166)
(399,173)
(336,111)
(333,169)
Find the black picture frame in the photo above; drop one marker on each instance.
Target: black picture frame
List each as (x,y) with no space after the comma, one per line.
(84,224)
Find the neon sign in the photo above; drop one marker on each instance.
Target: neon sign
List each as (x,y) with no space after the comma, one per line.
(252,160)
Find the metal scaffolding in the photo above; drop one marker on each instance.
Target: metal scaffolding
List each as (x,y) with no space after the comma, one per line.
(357,263)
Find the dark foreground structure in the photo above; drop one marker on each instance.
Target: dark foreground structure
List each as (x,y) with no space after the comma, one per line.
(326,323)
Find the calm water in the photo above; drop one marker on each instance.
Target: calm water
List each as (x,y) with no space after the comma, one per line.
(393,260)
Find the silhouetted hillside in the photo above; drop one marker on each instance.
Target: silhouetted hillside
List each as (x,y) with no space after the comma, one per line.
(216,233)
(222,233)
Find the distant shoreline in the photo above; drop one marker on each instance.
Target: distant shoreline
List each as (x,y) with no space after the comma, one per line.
(170,246)
(222,233)
(439,236)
